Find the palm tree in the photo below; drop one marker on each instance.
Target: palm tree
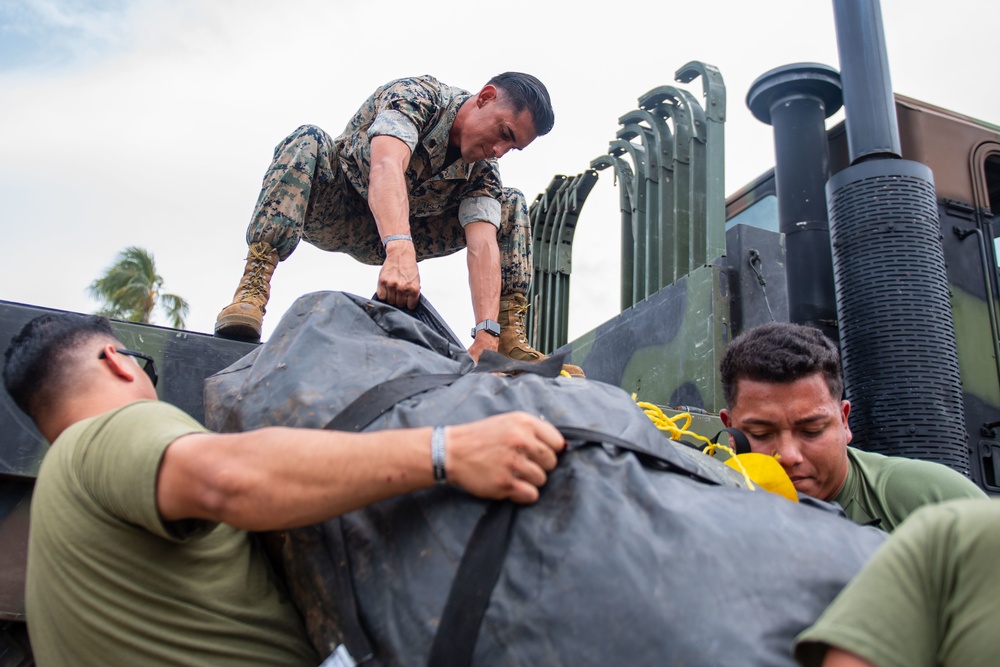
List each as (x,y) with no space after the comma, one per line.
(130,290)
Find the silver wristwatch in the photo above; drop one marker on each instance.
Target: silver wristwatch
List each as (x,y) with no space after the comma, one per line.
(489,326)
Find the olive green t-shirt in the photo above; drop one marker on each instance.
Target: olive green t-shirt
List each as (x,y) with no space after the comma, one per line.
(927,598)
(890,488)
(110,583)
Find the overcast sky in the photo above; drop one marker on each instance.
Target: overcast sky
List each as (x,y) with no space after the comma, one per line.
(151,122)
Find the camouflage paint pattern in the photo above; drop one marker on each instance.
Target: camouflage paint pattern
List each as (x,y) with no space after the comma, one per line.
(666,349)
(317,186)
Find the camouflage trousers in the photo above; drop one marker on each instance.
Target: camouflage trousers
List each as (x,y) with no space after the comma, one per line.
(305,196)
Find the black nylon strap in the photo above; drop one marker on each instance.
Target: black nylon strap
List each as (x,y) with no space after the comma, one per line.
(588,436)
(355,417)
(486,549)
(739,438)
(381,398)
(472,587)
(483,560)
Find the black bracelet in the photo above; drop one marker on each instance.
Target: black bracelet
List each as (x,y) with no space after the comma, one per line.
(437,455)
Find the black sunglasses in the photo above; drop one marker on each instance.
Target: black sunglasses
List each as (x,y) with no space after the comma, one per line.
(149,367)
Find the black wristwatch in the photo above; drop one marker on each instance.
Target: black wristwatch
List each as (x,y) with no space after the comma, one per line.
(489,326)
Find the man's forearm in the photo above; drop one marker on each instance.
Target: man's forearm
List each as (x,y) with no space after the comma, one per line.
(278,478)
(388,202)
(399,279)
(483,257)
(387,195)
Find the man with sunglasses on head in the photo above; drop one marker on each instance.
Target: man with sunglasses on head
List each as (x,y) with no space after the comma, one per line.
(139,551)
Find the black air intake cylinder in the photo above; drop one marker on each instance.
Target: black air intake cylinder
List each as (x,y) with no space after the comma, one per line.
(897,337)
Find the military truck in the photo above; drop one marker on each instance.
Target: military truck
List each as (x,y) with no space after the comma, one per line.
(879,230)
(666,347)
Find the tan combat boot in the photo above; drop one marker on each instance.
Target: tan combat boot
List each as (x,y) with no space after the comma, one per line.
(513,340)
(242,319)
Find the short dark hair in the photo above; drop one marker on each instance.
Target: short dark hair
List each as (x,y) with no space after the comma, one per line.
(780,352)
(39,359)
(523,91)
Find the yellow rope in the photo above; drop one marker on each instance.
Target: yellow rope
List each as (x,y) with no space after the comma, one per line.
(671,425)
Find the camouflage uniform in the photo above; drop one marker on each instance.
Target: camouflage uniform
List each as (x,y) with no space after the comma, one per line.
(317,187)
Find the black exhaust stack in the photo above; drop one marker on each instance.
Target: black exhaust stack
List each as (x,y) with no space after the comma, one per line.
(896,330)
(796,100)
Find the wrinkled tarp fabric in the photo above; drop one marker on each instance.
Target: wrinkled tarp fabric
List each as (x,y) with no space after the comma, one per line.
(618,562)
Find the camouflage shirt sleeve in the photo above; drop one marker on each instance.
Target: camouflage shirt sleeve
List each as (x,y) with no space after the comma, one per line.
(404,109)
(480,198)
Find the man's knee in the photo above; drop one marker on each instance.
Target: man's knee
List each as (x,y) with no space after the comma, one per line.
(306,138)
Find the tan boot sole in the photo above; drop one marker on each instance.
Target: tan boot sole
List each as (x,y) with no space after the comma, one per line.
(238,327)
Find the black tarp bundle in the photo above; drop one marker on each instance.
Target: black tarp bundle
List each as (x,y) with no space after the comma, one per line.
(640,551)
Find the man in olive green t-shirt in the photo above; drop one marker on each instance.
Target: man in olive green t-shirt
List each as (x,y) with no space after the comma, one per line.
(138,551)
(784,388)
(927,598)
(145,590)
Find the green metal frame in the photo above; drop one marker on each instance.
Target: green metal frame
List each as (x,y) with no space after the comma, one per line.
(554,216)
(667,157)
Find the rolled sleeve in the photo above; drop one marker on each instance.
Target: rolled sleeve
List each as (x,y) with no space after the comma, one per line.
(392,123)
(479,209)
